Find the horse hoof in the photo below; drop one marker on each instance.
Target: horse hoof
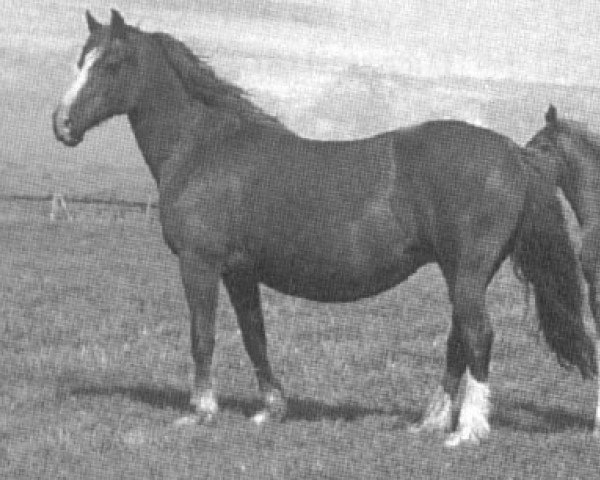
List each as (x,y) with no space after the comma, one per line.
(437,416)
(207,419)
(464,437)
(186,421)
(275,409)
(261,417)
(431,425)
(276,406)
(426,428)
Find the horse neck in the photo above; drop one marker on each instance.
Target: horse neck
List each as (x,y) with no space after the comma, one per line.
(546,165)
(163,110)
(569,174)
(578,177)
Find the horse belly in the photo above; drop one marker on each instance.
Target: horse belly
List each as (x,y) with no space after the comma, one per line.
(337,285)
(358,261)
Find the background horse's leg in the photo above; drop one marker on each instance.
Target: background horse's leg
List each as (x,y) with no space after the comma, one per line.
(201,285)
(594,287)
(590,262)
(471,320)
(245,298)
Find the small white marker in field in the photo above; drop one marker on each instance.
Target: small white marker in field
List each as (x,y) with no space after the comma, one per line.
(59,204)
(148,212)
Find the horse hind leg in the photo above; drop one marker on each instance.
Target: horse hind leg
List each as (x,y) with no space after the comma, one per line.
(244,294)
(470,319)
(438,413)
(468,350)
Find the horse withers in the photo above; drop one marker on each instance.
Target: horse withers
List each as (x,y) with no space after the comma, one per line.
(244,200)
(567,154)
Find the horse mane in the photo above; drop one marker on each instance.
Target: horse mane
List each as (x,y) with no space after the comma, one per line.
(590,138)
(202,83)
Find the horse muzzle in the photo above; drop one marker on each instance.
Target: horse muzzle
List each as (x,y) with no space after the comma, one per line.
(63,128)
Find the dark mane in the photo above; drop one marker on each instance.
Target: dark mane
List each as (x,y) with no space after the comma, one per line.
(201,82)
(582,131)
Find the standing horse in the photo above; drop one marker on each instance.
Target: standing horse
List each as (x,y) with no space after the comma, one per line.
(568,155)
(244,200)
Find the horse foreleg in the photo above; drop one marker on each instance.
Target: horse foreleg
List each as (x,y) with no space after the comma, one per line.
(245,298)
(201,286)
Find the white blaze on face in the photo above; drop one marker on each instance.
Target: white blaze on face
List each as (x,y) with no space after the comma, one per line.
(81,78)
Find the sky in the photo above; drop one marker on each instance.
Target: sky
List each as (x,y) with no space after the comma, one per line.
(294,56)
(542,40)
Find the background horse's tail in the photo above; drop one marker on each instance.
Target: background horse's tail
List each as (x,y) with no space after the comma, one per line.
(543,255)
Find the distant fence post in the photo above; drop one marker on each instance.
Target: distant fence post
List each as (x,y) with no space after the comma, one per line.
(148,212)
(59,204)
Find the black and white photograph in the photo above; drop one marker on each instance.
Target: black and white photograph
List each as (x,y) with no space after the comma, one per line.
(299,239)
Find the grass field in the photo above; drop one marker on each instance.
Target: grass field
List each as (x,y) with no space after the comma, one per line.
(96,363)
(94,340)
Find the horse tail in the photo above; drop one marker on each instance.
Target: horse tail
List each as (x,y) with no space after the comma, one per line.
(543,256)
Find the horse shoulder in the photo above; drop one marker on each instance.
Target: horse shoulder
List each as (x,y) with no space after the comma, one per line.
(198,208)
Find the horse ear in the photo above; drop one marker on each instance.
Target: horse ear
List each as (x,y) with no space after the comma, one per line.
(551,115)
(118,27)
(93,24)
